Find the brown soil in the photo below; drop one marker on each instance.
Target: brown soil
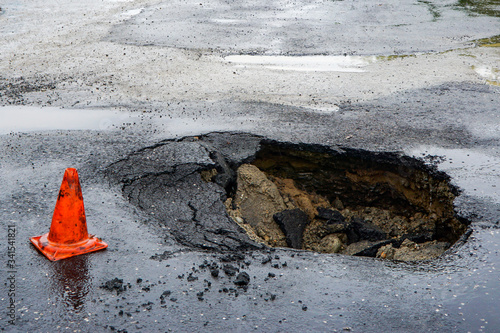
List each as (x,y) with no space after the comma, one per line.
(408,205)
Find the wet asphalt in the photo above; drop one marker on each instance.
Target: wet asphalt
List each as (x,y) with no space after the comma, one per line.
(166,228)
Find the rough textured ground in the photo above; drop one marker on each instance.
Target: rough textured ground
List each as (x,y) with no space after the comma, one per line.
(143,83)
(353,202)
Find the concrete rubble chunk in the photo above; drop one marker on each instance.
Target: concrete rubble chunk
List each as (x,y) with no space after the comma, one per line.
(411,251)
(258,200)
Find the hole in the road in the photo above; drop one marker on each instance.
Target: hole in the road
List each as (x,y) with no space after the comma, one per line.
(352,202)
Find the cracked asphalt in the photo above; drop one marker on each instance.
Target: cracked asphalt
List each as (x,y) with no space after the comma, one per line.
(140,96)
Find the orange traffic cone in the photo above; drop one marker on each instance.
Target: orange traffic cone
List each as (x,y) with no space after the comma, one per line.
(68,234)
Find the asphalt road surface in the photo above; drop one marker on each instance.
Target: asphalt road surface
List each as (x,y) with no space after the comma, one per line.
(140,96)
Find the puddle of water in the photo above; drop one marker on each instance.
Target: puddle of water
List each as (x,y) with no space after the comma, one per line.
(352,64)
(30,118)
(474,172)
(131,13)
(226,21)
(490,74)
(16,119)
(71,282)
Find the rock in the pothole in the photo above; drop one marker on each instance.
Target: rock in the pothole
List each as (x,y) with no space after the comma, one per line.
(365,248)
(420,224)
(416,238)
(331,215)
(335,221)
(330,244)
(258,199)
(292,222)
(366,231)
(386,252)
(411,251)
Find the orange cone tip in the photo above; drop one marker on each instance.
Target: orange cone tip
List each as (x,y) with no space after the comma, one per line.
(68,236)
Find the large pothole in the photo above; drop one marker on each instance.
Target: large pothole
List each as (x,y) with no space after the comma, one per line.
(303,196)
(352,202)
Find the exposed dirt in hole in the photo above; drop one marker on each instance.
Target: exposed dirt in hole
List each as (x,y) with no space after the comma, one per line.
(351,202)
(309,197)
